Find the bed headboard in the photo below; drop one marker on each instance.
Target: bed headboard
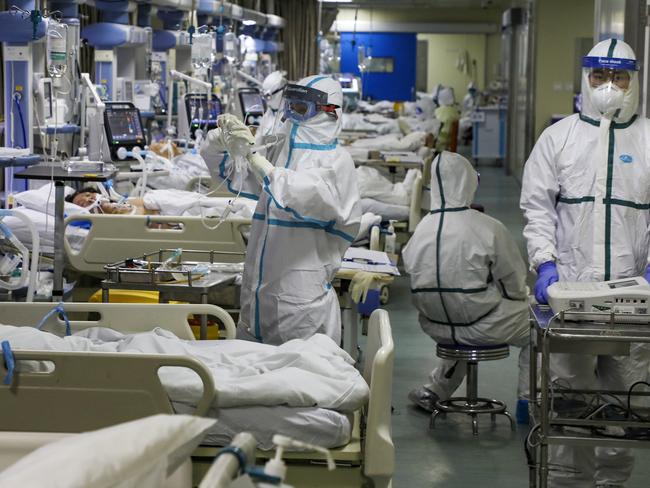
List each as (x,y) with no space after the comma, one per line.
(128,318)
(80,392)
(379,459)
(113,238)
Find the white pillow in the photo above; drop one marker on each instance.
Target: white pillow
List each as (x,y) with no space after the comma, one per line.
(38,200)
(140,453)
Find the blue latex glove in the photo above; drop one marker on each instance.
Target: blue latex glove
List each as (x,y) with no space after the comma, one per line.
(647,274)
(546,276)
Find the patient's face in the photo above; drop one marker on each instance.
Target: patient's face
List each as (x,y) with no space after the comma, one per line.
(85,199)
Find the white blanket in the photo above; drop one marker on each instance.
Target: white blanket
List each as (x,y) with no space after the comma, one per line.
(392,142)
(300,373)
(183,169)
(372,184)
(371,122)
(180,203)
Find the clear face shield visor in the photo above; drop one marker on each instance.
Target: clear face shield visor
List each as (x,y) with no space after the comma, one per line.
(601,71)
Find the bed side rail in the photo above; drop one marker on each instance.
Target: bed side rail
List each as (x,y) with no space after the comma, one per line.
(128,318)
(113,238)
(91,390)
(379,458)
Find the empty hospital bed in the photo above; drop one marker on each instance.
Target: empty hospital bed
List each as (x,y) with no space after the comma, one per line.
(92,390)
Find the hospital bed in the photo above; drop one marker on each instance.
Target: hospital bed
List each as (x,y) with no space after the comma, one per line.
(93,390)
(112,238)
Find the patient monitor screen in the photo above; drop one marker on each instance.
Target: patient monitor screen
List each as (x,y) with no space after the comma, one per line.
(252,103)
(123,127)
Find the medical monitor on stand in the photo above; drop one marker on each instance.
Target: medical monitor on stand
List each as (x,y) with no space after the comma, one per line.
(252,105)
(123,128)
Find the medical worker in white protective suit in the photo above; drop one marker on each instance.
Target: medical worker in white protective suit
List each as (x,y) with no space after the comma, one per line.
(307,215)
(585,196)
(468,279)
(272,88)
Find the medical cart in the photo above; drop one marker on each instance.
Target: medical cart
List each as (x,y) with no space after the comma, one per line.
(181,285)
(594,333)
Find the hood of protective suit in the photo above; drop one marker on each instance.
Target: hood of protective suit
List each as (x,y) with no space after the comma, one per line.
(271,83)
(620,50)
(446,96)
(453,180)
(323,128)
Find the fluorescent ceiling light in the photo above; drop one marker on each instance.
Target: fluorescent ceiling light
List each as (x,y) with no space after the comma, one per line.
(336,1)
(248,22)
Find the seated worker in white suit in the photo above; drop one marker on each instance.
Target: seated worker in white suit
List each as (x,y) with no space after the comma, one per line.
(307,214)
(468,279)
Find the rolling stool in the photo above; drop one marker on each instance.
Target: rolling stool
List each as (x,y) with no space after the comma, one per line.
(471,404)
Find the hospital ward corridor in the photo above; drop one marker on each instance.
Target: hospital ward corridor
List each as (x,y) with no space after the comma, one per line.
(324,243)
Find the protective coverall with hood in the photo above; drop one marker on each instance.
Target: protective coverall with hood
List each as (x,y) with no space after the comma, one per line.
(272,87)
(468,279)
(585,196)
(307,215)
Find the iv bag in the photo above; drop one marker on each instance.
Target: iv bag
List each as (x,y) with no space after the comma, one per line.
(202,51)
(230,47)
(57,49)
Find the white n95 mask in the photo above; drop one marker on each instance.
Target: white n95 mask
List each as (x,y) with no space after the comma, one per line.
(608,98)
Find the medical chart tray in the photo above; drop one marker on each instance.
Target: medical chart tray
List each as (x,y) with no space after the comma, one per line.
(156,268)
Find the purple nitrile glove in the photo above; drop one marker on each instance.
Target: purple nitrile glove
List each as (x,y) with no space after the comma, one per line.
(647,274)
(546,276)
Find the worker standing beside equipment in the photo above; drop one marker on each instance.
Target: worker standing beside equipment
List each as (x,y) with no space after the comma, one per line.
(307,215)
(585,195)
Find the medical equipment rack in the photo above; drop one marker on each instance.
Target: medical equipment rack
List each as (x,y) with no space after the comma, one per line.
(121,275)
(595,333)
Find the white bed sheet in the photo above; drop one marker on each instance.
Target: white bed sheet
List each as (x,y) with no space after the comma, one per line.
(320,426)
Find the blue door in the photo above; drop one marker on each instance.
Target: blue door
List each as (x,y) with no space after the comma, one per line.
(393,76)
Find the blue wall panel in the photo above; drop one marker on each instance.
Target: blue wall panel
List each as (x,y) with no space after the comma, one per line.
(398,85)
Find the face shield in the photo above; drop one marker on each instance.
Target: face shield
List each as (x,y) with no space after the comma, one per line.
(302,103)
(608,80)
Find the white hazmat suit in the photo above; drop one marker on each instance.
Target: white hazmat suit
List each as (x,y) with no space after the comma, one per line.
(585,196)
(307,215)
(468,278)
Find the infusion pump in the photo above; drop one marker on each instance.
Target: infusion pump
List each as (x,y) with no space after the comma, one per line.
(624,296)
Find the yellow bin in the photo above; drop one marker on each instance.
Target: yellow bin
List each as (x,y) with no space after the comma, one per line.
(142,296)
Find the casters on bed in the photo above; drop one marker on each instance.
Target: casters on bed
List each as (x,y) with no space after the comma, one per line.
(472,404)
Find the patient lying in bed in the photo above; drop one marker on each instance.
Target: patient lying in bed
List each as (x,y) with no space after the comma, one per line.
(306,389)
(165,202)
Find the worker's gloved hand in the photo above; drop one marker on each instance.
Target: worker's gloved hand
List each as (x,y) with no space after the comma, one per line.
(214,141)
(260,165)
(647,274)
(236,137)
(546,276)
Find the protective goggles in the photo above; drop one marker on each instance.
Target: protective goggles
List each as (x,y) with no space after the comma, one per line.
(302,103)
(269,94)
